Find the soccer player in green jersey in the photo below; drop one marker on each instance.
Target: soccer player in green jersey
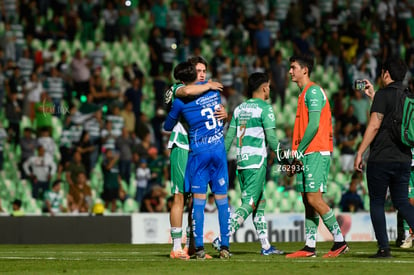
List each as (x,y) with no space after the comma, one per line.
(179,145)
(313,145)
(253,123)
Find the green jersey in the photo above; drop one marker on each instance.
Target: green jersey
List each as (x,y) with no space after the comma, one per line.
(55,199)
(251,119)
(179,135)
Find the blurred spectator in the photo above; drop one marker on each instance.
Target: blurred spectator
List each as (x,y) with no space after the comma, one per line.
(94,126)
(196,25)
(351,201)
(117,120)
(40,169)
(97,87)
(124,21)
(26,65)
(54,29)
(43,112)
(113,91)
(3,139)
(129,116)
(154,200)
(346,143)
(112,179)
(89,18)
(362,108)
(53,199)
(9,42)
(46,141)
(48,55)
(143,175)
(262,40)
(332,50)
(85,148)
(159,15)
(158,166)
(2,87)
(175,20)
(279,76)
(155,48)
(14,116)
(108,137)
(124,145)
(97,56)
(74,168)
(80,195)
(210,204)
(15,83)
(134,94)
(80,73)
(28,145)
(71,18)
(169,52)
(55,88)
(110,16)
(65,146)
(33,88)
(17,210)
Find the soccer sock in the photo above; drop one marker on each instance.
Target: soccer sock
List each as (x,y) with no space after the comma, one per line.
(332,224)
(406,229)
(239,217)
(224,220)
(176,234)
(198,221)
(311,229)
(260,224)
(188,236)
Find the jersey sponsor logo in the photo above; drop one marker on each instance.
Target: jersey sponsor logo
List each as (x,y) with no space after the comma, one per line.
(242,157)
(222,181)
(312,184)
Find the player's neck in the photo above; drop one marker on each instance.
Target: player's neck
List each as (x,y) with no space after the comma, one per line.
(303,82)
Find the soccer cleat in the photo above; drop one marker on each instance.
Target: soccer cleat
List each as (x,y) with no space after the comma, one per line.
(303,253)
(179,254)
(408,243)
(225,254)
(337,249)
(382,254)
(271,250)
(216,244)
(200,255)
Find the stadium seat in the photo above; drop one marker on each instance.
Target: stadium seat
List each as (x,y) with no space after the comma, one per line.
(285,205)
(130,206)
(298,205)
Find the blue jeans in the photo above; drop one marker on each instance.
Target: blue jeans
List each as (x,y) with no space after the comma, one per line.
(381,176)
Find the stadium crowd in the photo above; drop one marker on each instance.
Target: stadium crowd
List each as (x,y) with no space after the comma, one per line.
(73,132)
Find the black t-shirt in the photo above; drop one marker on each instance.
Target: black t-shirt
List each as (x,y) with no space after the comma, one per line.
(383,148)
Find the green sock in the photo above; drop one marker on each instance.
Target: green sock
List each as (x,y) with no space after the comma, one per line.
(239,217)
(331,223)
(311,230)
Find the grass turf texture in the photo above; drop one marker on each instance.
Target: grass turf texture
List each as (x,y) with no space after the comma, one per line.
(154,259)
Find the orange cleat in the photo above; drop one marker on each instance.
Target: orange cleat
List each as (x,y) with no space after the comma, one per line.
(301,254)
(179,254)
(333,253)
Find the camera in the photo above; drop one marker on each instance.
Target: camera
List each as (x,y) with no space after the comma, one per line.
(359,85)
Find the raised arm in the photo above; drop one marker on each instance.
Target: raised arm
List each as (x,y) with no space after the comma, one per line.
(197,89)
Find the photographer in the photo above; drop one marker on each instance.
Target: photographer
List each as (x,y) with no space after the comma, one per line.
(389,161)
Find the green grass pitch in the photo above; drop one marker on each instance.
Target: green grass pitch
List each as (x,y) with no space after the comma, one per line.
(154,259)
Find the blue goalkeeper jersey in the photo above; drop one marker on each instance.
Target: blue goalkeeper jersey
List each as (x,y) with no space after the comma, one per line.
(205,130)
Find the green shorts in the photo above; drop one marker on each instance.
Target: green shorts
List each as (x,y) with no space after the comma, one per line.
(411,185)
(315,173)
(252,182)
(178,160)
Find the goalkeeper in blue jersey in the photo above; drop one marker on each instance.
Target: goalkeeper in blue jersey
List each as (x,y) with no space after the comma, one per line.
(207,162)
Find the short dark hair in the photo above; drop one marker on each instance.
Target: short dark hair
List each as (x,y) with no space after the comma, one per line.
(396,68)
(254,82)
(185,72)
(197,59)
(304,60)
(56,182)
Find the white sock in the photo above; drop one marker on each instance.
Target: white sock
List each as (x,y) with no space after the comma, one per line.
(265,243)
(176,241)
